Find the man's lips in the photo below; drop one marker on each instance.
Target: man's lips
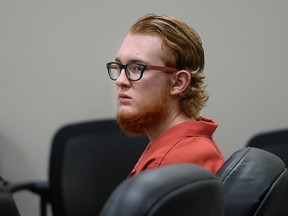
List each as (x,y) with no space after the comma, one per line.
(123,98)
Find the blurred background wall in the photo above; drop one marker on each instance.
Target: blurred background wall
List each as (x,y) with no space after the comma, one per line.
(52,71)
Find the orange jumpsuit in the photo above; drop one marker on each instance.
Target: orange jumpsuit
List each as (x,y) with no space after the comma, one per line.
(187,142)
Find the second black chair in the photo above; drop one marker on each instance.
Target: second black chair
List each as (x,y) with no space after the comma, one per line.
(254,181)
(87,161)
(276,142)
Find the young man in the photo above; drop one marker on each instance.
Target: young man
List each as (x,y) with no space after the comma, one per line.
(160,86)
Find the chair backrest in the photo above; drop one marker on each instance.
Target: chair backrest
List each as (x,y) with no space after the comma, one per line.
(254,181)
(275,142)
(87,161)
(7,204)
(181,189)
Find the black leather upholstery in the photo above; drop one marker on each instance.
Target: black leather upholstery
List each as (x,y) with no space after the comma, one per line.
(254,181)
(177,190)
(275,142)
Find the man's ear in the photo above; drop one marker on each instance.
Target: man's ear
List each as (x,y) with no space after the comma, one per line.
(180,82)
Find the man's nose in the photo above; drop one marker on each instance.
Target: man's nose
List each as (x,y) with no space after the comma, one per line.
(122,79)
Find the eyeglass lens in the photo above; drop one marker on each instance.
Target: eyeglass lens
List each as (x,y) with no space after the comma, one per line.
(133,71)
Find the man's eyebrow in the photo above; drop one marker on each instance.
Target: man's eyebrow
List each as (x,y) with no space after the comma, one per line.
(130,61)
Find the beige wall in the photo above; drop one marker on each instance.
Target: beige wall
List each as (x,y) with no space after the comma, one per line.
(52,71)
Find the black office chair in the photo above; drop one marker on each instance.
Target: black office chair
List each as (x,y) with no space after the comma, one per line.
(174,190)
(275,142)
(87,161)
(7,204)
(254,181)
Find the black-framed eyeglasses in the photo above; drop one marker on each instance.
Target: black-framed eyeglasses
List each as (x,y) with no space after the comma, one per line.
(134,71)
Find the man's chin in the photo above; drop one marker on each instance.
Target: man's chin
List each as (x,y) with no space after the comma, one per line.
(137,120)
(130,123)
(125,109)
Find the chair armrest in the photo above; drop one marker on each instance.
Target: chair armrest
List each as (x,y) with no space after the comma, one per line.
(41,188)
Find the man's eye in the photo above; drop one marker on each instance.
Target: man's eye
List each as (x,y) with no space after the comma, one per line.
(114,67)
(134,68)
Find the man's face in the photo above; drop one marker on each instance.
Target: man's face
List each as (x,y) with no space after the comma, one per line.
(144,102)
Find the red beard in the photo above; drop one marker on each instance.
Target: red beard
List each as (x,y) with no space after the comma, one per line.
(150,112)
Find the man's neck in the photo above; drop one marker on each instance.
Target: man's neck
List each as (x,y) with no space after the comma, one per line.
(157,129)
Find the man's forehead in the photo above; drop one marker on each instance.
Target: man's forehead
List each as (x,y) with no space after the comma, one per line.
(142,47)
